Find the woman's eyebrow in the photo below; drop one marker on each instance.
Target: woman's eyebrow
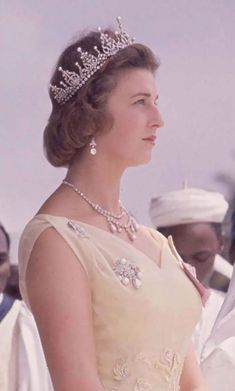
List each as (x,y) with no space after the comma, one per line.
(146,94)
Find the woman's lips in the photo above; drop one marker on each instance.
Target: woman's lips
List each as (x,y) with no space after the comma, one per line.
(150,139)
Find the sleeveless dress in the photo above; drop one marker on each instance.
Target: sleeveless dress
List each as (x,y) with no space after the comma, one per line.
(143,314)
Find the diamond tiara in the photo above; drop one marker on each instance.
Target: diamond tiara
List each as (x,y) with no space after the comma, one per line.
(90,63)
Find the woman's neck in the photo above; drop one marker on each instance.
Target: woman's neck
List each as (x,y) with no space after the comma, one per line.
(100,182)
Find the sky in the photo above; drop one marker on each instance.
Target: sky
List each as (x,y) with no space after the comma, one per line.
(195,43)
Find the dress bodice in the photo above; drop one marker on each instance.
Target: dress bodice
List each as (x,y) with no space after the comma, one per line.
(143,314)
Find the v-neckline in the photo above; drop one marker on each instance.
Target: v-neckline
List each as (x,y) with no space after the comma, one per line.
(103,232)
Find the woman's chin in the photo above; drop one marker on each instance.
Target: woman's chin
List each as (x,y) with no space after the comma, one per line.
(141,160)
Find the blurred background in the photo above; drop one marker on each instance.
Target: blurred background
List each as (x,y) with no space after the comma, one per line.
(196,81)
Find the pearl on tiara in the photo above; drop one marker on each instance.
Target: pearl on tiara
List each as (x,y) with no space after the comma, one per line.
(90,63)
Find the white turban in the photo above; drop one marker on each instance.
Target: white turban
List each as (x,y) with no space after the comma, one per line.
(189,205)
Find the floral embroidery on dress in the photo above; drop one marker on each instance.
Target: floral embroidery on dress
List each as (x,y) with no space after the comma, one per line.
(149,360)
(142,385)
(169,360)
(128,272)
(80,231)
(169,364)
(120,369)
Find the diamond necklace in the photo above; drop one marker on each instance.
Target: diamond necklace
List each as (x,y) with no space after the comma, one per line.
(115,226)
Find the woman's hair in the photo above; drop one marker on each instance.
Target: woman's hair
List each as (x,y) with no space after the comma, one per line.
(72,124)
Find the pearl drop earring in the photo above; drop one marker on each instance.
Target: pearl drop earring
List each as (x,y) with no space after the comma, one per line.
(93,146)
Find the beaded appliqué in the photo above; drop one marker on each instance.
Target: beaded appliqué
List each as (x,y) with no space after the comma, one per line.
(80,231)
(128,272)
(120,369)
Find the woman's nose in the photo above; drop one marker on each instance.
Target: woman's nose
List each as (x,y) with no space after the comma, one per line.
(156,118)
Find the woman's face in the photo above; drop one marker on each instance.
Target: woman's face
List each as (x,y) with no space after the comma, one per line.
(133,107)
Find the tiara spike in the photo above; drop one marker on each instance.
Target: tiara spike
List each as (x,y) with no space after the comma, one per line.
(90,63)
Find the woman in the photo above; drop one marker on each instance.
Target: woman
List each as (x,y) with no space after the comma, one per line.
(114,309)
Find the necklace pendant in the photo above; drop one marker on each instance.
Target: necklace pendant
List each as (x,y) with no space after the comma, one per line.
(112,228)
(131,236)
(134,224)
(137,283)
(132,228)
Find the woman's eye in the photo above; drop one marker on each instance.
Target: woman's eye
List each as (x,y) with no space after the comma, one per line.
(140,101)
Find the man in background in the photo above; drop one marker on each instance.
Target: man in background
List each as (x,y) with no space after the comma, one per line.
(218,366)
(12,288)
(22,363)
(194,217)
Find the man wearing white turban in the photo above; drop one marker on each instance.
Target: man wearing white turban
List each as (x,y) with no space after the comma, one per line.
(188,205)
(177,212)
(194,217)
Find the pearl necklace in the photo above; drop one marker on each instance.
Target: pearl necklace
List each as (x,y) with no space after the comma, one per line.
(115,226)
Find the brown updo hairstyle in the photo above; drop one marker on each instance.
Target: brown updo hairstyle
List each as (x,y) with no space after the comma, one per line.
(72,124)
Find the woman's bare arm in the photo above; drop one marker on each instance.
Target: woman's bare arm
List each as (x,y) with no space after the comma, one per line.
(60,300)
(191,378)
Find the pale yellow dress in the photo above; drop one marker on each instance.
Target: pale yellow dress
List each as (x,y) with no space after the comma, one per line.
(143,314)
